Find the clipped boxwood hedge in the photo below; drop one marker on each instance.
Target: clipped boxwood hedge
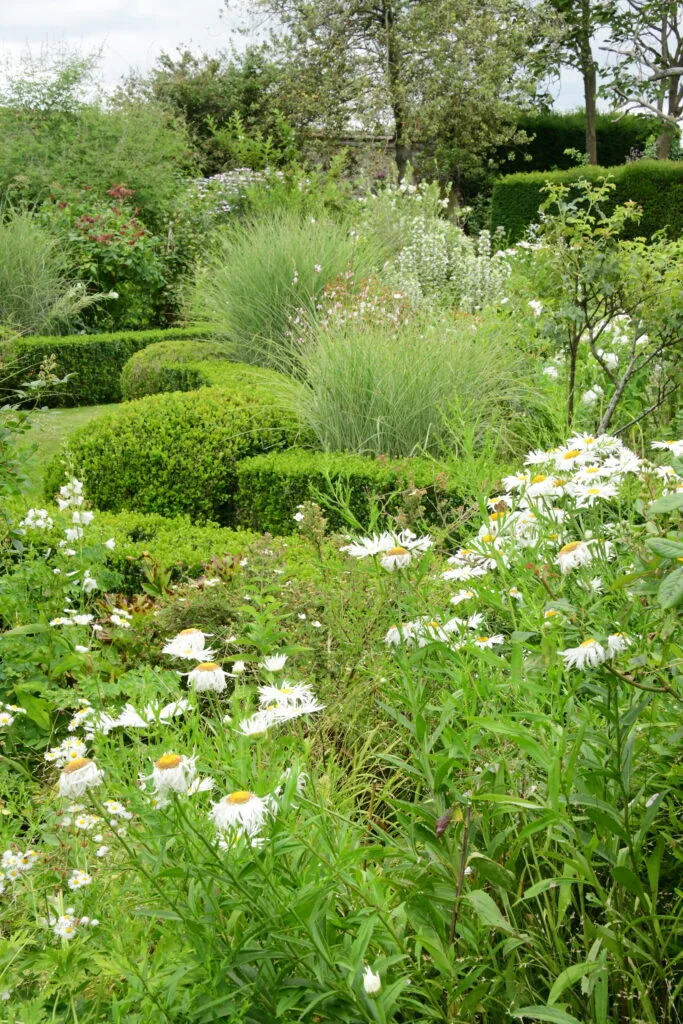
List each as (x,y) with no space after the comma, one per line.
(176,544)
(655,185)
(271,486)
(552,133)
(174,454)
(95,360)
(187,366)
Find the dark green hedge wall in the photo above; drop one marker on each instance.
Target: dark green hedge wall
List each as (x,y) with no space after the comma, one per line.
(655,185)
(553,133)
(271,486)
(95,360)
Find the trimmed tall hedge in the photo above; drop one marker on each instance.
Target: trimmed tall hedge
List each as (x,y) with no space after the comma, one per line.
(655,185)
(554,132)
(95,360)
(187,366)
(270,487)
(173,454)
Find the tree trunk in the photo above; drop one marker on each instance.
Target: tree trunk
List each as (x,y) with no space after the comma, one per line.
(401,142)
(588,70)
(663,145)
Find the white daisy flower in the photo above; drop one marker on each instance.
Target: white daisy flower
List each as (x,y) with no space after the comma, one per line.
(489,641)
(586,497)
(207,676)
(64,926)
(110,544)
(462,595)
(257,724)
(617,643)
(189,643)
(675,447)
(79,879)
(5,719)
(588,654)
(372,983)
(286,695)
(395,558)
(78,776)
(516,594)
(274,663)
(69,750)
(573,555)
(366,546)
(241,812)
(568,458)
(173,773)
(101,851)
(539,458)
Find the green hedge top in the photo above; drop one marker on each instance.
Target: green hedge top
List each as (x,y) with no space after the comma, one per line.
(95,360)
(173,454)
(270,487)
(187,366)
(553,133)
(655,185)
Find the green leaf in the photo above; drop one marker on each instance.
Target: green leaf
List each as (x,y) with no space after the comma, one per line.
(487,911)
(667,503)
(568,976)
(665,546)
(670,591)
(28,630)
(36,709)
(547,1013)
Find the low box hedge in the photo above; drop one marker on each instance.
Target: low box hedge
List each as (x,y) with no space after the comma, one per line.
(271,486)
(173,454)
(95,360)
(187,366)
(655,185)
(176,544)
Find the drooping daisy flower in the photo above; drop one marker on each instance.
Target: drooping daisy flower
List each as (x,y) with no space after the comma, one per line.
(273,663)
(588,654)
(173,773)
(675,447)
(258,723)
(462,595)
(388,544)
(241,812)
(617,643)
(367,546)
(573,555)
(79,775)
(516,594)
(372,983)
(489,641)
(395,558)
(189,643)
(207,676)
(586,497)
(287,695)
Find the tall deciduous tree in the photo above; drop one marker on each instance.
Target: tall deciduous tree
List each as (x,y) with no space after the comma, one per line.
(580,21)
(412,67)
(647,39)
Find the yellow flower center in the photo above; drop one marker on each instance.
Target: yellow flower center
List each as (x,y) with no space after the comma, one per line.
(552,611)
(538,479)
(593,469)
(208,666)
(589,440)
(398,551)
(168,761)
(588,643)
(488,538)
(434,624)
(482,639)
(593,490)
(568,548)
(496,515)
(559,481)
(241,796)
(188,632)
(286,689)
(572,453)
(73,766)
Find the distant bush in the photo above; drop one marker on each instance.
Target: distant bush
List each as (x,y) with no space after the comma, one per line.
(95,360)
(187,366)
(173,454)
(268,274)
(271,487)
(655,185)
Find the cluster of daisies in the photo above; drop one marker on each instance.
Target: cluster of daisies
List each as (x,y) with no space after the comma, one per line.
(535,520)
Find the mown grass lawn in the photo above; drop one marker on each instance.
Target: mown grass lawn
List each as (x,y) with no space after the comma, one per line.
(49,429)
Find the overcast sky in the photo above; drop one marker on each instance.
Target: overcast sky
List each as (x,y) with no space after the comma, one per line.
(131,33)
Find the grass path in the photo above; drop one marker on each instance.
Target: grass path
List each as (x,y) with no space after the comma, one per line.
(50,428)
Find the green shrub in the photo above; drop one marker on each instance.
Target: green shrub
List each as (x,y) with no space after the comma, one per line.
(267,275)
(177,545)
(95,360)
(270,487)
(554,133)
(187,366)
(655,185)
(174,454)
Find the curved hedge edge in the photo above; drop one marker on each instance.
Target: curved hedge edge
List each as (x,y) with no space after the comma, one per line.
(95,360)
(270,487)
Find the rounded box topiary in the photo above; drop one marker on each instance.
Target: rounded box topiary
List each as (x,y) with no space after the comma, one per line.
(187,366)
(173,454)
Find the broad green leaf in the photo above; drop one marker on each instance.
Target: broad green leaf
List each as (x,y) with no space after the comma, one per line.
(670,591)
(568,976)
(667,503)
(546,1013)
(487,911)
(29,629)
(665,546)
(36,709)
